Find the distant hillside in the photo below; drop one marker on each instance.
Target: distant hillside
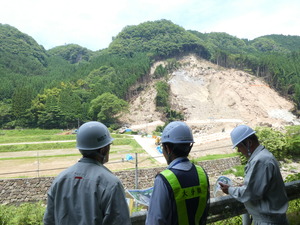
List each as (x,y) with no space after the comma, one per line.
(289,42)
(70,84)
(217,41)
(220,41)
(26,64)
(20,53)
(72,53)
(159,39)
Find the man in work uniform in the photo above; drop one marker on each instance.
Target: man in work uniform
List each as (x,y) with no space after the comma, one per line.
(87,193)
(263,192)
(181,192)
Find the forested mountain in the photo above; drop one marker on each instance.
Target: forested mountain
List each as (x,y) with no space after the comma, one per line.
(159,39)
(289,42)
(20,53)
(69,84)
(72,53)
(20,56)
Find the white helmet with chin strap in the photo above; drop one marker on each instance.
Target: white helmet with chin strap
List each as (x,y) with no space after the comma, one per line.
(177,132)
(240,133)
(93,135)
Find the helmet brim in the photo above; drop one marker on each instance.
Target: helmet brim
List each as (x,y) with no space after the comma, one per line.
(238,142)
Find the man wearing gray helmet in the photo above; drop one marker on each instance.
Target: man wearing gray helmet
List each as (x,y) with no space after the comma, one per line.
(181,192)
(87,192)
(263,191)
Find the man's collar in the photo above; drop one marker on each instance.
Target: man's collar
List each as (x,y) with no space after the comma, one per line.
(176,161)
(89,160)
(256,151)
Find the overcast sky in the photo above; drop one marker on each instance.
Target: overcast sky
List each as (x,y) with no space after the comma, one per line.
(93,23)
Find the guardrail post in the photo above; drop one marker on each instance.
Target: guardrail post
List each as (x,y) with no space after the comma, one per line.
(246,219)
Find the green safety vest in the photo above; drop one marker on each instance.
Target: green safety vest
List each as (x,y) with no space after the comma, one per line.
(182,194)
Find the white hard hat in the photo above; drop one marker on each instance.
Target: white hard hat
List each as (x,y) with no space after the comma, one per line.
(240,133)
(177,132)
(93,135)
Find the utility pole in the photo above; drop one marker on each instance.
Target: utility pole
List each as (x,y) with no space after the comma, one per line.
(136,171)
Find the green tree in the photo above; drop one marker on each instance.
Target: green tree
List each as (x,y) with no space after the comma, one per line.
(100,80)
(162,96)
(107,107)
(160,71)
(52,117)
(43,109)
(5,114)
(21,102)
(70,106)
(293,140)
(296,96)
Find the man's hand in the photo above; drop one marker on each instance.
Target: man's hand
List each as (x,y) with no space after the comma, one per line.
(224,187)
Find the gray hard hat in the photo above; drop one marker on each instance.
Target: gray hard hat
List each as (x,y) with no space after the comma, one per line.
(177,132)
(93,135)
(240,133)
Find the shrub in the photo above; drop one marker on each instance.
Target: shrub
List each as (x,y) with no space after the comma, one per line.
(273,140)
(293,212)
(24,214)
(293,140)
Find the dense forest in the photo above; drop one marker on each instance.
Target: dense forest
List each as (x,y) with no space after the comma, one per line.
(67,85)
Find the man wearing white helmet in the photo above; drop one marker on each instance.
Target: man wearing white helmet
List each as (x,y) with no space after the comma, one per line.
(87,193)
(263,192)
(181,192)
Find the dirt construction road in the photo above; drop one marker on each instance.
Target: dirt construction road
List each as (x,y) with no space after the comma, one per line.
(218,143)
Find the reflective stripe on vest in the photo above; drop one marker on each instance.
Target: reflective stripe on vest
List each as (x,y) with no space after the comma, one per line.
(182,194)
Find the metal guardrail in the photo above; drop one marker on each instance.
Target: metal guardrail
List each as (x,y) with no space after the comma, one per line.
(226,207)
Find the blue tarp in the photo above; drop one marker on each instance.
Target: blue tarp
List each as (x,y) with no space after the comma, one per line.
(158,148)
(129,157)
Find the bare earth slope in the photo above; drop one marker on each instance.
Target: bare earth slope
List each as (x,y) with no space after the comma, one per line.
(213,99)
